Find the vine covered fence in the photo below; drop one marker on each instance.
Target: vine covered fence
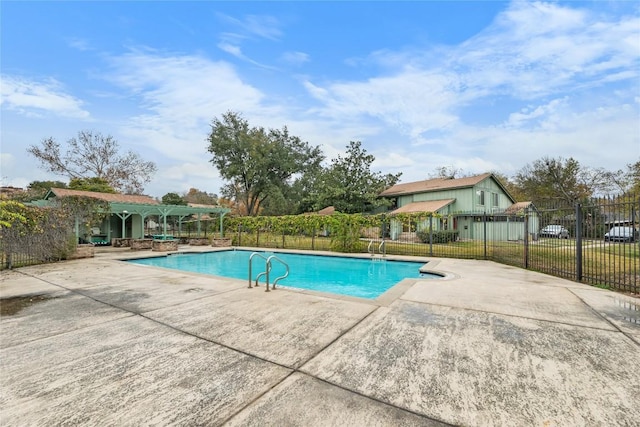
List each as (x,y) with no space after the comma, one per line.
(585,255)
(582,255)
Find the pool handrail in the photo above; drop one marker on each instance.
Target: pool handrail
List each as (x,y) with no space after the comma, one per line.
(264,273)
(267,270)
(382,249)
(251,263)
(286,274)
(370,249)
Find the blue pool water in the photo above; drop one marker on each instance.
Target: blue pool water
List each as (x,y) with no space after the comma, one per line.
(364,278)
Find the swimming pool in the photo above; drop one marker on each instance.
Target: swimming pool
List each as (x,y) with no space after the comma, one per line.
(359,277)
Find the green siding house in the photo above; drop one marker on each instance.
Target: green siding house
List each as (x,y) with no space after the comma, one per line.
(464,205)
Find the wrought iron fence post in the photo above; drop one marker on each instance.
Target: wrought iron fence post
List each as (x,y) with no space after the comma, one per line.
(430,235)
(579,242)
(526,238)
(484,223)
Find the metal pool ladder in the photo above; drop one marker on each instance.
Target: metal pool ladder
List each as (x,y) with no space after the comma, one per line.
(267,270)
(382,249)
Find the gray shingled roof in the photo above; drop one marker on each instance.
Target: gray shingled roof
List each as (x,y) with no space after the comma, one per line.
(517,208)
(426,206)
(107,197)
(431,185)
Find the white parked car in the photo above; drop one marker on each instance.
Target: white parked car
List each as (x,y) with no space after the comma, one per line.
(621,234)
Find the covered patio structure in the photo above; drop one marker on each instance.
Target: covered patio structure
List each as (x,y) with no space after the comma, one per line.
(431,208)
(128,213)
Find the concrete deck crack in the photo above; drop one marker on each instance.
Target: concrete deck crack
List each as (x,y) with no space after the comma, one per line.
(512,315)
(606,319)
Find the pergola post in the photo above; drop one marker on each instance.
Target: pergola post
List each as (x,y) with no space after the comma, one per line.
(124,210)
(164,224)
(123,216)
(222,214)
(125,206)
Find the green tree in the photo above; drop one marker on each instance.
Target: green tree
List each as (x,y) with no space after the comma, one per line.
(348,183)
(11,212)
(446,172)
(83,212)
(173,199)
(512,188)
(98,185)
(36,190)
(633,178)
(200,197)
(549,179)
(94,155)
(256,162)
(297,197)
(305,191)
(278,203)
(627,181)
(43,233)
(41,188)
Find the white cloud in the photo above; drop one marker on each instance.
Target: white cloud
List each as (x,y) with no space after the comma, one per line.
(179,95)
(556,78)
(180,177)
(7,163)
(414,101)
(182,88)
(387,159)
(551,65)
(317,92)
(601,137)
(251,28)
(529,19)
(295,58)
(262,26)
(33,98)
(535,49)
(530,113)
(15,174)
(79,44)
(231,49)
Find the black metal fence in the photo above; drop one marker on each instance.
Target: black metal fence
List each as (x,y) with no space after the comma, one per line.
(598,243)
(33,235)
(582,251)
(602,247)
(32,249)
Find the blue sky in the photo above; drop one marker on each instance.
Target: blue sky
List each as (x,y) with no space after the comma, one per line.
(476,86)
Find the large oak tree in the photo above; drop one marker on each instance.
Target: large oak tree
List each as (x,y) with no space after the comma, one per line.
(256,162)
(557,179)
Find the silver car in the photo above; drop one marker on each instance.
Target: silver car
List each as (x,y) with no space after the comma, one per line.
(555,231)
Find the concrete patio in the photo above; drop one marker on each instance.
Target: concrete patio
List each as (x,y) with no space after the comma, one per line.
(101,342)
